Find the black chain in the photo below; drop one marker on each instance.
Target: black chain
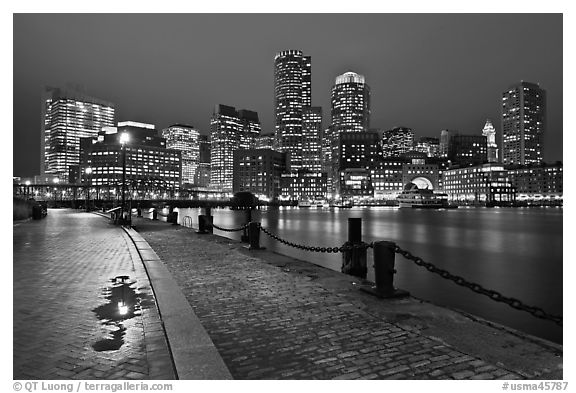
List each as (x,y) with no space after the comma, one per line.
(494,295)
(317,249)
(231,229)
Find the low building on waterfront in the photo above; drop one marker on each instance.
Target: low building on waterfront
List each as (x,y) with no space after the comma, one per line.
(387,178)
(151,169)
(480,184)
(538,183)
(468,150)
(260,172)
(304,185)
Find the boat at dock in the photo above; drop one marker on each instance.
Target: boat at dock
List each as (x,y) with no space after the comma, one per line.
(422,198)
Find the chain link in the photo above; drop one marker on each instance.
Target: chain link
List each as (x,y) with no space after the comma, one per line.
(230,229)
(349,247)
(494,295)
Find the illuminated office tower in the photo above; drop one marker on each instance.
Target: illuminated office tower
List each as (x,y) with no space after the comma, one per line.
(350,104)
(445,136)
(523,124)
(202,178)
(186,139)
(229,130)
(265,141)
(428,145)
(67,116)
(397,141)
(312,139)
(490,133)
(292,92)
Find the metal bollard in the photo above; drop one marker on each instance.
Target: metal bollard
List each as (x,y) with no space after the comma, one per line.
(139,211)
(254,235)
(174,218)
(244,238)
(154,214)
(354,260)
(204,224)
(384,258)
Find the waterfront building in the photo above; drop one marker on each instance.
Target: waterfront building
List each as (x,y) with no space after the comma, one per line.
(523,124)
(259,171)
(151,168)
(387,178)
(466,150)
(424,175)
(480,184)
(202,176)
(303,185)
(186,139)
(312,138)
(230,130)
(265,141)
(292,92)
(69,115)
(538,183)
(490,133)
(428,145)
(355,184)
(397,141)
(445,136)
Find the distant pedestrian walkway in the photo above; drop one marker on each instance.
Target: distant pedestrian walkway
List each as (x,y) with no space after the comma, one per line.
(68,323)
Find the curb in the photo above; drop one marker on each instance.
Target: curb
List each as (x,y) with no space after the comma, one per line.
(194,354)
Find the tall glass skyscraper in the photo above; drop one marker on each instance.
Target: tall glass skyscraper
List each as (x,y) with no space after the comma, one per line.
(186,139)
(292,92)
(312,138)
(229,130)
(350,103)
(397,141)
(523,123)
(67,116)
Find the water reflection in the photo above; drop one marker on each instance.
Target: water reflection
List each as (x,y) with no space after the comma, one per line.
(515,251)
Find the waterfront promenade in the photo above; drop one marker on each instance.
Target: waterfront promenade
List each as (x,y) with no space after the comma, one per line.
(64,316)
(273,317)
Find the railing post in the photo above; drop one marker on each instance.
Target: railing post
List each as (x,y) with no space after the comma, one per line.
(384,258)
(205,224)
(254,235)
(245,238)
(154,214)
(354,260)
(174,218)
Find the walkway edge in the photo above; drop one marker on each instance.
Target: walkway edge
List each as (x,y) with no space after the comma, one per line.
(195,355)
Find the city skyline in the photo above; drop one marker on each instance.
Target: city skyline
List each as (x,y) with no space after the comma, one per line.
(433,63)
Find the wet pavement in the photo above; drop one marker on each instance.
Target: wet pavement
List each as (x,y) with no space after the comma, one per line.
(83,306)
(272,317)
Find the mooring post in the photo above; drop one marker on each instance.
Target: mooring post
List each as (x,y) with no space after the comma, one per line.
(354,259)
(154,214)
(245,238)
(254,235)
(384,257)
(174,218)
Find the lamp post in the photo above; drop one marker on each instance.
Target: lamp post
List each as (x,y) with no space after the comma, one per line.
(88,172)
(124,138)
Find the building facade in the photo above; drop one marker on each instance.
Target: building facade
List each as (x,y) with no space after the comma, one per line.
(230,130)
(265,141)
(186,139)
(303,186)
(480,184)
(152,170)
(387,178)
(429,146)
(259,171)
(397,141)
(68,116)
(538,183)
(445,136)
(523,124)
(312,138)
(292,92)
(466,150)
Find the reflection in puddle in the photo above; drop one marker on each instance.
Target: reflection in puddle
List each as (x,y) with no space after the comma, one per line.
(124,301)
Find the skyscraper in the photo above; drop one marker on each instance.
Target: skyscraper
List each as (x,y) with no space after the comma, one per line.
(312,138)
(67,116)
(523,123)
(186,139)
(490,133)
(229,130)
(292,92)
(350,103)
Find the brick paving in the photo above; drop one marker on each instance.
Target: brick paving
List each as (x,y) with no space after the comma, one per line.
(269,323)
(62,267)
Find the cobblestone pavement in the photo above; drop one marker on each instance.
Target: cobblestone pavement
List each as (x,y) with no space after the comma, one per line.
(268,323)
(66,322)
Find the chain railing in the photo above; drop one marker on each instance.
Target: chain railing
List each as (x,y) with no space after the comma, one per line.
(317,249)
(494,295)
(231,229)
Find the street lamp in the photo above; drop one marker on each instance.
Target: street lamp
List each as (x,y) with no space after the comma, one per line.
(124,139)
(88,172)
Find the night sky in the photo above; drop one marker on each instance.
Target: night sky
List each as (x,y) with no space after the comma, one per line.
(425,71)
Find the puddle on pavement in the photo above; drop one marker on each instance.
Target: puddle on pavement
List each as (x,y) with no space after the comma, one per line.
(124,302)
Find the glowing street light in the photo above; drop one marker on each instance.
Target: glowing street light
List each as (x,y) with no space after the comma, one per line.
(124,139)
(88,172)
